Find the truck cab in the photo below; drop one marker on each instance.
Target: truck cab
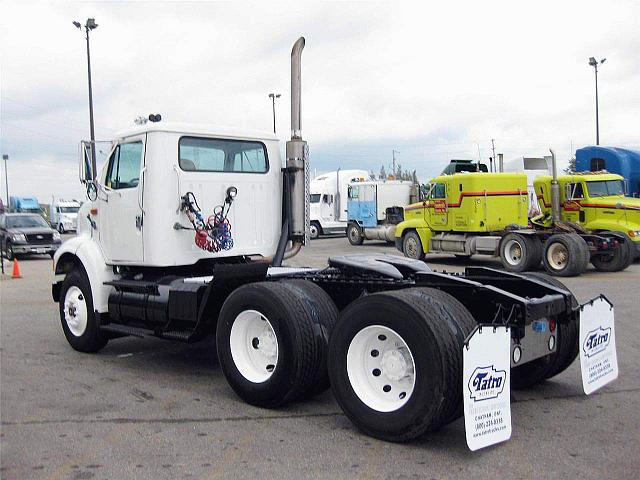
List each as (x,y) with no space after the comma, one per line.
(328,201)
(596,201)
(458,209)
(63,215)
(135,193)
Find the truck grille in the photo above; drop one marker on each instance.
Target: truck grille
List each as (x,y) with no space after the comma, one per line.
(39,238)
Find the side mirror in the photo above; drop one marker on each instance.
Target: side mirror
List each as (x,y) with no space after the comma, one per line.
(87,175)
(567,192)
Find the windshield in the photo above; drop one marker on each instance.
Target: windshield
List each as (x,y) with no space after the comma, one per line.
(26,221)
(605,188)
(315,198)
(69,209)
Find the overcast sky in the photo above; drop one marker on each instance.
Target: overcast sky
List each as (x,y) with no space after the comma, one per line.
(433,80)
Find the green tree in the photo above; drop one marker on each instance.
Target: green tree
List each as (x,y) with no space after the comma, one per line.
(571,168)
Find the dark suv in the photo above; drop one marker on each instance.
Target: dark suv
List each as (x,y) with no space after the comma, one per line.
(27,233)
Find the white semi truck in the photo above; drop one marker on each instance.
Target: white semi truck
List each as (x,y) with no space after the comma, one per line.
(184,236)
(63,215)
(328,201)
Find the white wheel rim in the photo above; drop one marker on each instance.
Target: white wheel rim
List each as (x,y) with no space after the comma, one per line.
(412,247)
(354,234)
(557,255)
(75,311)
(313,231)
(513,252)
(380,368)
(254,346)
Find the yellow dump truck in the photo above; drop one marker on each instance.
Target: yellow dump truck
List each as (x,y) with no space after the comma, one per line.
(487,213)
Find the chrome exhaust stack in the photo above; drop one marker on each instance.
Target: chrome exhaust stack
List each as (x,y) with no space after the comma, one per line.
(296,178)
(555,189)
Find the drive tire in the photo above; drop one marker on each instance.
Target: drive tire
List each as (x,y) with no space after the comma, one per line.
(463,324)
(520,253)
(567,346)
(77,315)
(298,357)
(624,256)
(565,255)
(412,245)
(324,316)
(354,234)
(425,327)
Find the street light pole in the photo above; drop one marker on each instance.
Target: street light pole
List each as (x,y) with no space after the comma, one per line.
(90,25)
(594,63)
(6,181)
(273,97)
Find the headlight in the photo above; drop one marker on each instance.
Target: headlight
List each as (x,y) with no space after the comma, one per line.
(56,235)
(18,237)
(634,233)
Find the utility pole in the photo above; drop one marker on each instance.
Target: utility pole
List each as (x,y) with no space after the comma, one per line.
(273,97)
(90,25)
(493,147)
(594,63)
(6,180)
(394,162)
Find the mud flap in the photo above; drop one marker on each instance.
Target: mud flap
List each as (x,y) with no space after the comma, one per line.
(598,358)
(487,386)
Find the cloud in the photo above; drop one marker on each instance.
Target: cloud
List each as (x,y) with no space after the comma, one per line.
(432,81)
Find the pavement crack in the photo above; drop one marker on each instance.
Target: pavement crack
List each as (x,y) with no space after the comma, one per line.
(126,420)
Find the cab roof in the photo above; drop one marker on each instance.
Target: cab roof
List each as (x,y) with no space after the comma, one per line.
(204,129)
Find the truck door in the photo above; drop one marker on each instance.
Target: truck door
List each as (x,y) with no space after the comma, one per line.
(571,209)
(327,207)
(120,209)
(438,209)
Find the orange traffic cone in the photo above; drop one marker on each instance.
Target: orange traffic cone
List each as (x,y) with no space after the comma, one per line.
(16,269)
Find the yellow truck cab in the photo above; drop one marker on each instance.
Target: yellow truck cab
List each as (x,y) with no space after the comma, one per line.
(594,201)
(461,213)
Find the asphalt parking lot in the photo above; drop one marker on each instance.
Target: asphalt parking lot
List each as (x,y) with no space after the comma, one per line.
(146,408)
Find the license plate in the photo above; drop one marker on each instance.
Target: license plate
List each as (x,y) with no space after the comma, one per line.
(40,250)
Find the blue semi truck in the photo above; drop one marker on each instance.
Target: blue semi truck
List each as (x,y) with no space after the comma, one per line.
(622,161)
(24,205)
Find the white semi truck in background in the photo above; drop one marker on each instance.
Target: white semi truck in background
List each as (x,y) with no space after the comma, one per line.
(328,201)
(63,215)
(184,236)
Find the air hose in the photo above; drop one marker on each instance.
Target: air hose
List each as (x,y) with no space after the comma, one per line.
(214,233)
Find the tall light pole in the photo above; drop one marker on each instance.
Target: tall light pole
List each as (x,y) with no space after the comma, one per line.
(90,25)
(273,97)
(6,181)
(594,63)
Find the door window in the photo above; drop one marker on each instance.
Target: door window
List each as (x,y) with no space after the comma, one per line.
(438,191)
(124,166)
(575,191)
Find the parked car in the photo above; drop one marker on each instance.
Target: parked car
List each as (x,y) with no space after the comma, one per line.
(27,233)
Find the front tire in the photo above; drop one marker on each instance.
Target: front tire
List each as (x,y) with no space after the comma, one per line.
(78,318)
(354,234)
(315,230)
(412,246)
(8,252)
